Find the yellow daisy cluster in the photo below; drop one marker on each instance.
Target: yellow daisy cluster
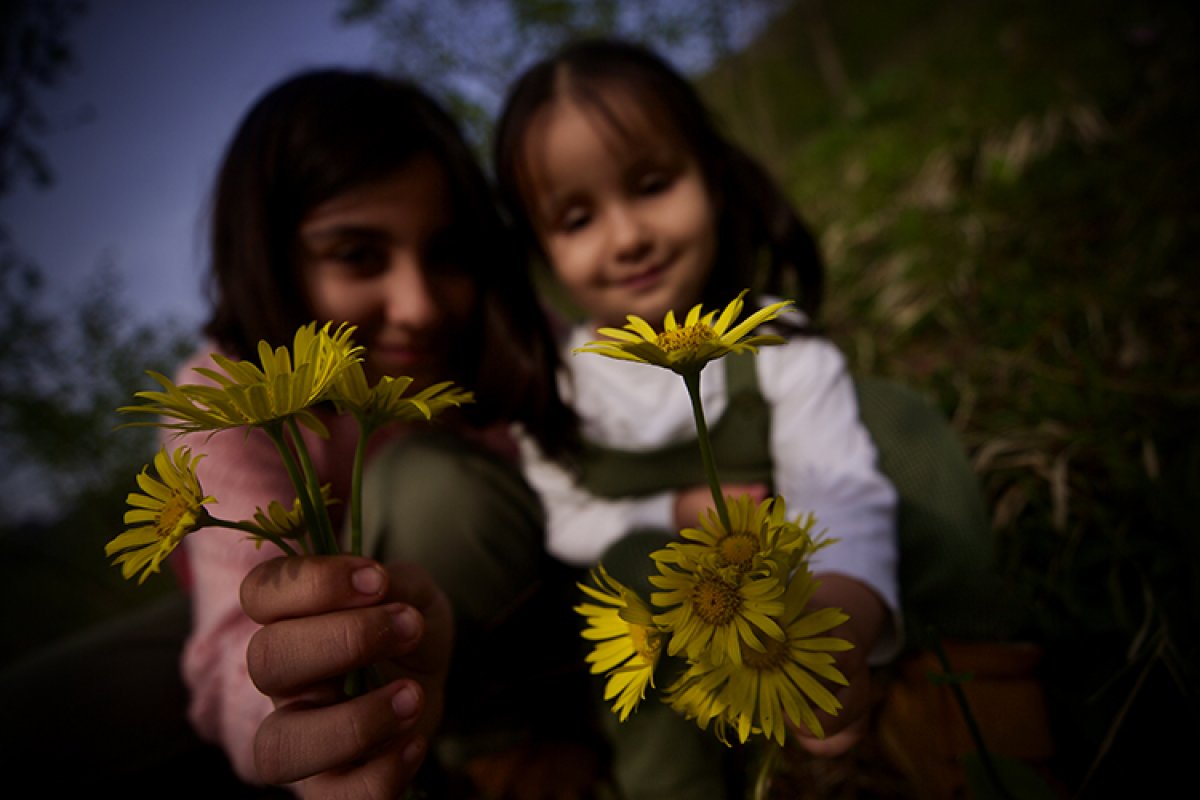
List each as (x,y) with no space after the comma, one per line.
(733,603)
(276,395)
(734,592)
(280,387)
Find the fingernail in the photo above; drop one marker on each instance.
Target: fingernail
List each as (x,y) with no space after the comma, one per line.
(368,580)
(405,701)
(405,622)
(414,752)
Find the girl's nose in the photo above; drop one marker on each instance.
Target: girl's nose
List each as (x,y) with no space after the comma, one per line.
(409,298)
(631,237)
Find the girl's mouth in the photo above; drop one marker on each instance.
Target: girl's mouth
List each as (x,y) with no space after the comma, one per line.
(644,279)
(396,359)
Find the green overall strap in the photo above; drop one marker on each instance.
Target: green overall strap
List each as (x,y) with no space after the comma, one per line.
(740,440)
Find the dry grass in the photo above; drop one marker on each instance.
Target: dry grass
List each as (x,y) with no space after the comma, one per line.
(1005,193)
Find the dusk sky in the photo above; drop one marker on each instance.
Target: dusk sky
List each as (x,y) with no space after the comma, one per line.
(137,129)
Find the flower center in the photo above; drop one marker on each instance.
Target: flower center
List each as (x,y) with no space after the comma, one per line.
(738,549)
(176,519)
(646,641)
(687,338)
(773,658)
(716,601)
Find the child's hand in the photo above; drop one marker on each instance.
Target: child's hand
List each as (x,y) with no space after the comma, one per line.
(326,616)
(868,616)
(691,503)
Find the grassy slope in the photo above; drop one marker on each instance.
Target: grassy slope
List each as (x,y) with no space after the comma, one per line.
(1006,196)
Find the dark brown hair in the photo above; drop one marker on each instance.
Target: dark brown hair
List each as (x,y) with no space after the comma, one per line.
(762,241)
(321,133)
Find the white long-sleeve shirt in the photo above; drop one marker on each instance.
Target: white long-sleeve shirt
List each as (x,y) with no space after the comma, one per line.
(823,458)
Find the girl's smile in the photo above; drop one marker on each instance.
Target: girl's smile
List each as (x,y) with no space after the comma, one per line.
(644,280)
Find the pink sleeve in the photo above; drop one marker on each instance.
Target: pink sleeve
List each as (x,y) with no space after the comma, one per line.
(243,471)
(226,708)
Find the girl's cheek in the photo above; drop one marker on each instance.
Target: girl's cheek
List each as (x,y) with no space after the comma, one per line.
(460,300)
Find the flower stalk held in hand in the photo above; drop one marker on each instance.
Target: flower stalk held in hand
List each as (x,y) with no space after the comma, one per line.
(734,592)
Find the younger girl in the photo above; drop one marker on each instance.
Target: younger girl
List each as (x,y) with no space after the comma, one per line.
(622,184)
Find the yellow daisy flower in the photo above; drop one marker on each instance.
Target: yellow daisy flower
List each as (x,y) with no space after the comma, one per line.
(772,685)
(287,384)
(757,533)
(434,399)
(686,348)
(279,521)
(628,642)
(386,402)
(715,612)
(171,507)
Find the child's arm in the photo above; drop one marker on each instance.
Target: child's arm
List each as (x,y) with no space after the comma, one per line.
(224,707)
(324,617)
(691,503)
(826,464)
(579,525)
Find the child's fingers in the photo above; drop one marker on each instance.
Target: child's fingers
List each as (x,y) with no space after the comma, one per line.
(300,586)
(382,777)
(286,657)
(298,741)
(834,744)
(757,491)
(849,725)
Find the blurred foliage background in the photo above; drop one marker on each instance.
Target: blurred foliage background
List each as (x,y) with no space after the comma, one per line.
(64,369)
(1005,191)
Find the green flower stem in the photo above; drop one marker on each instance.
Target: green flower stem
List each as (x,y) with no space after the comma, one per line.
(362,680)
(254,530)
(367,678)
(356,514)
(314,489)
(293,470)
(767,770)
(692,381)
(955,683)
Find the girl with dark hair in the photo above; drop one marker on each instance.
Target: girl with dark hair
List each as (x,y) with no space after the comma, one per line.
(350,197)
(321,135)
(625,188)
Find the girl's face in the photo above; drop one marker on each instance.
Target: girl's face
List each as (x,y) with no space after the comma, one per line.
(625,220)
(383,257)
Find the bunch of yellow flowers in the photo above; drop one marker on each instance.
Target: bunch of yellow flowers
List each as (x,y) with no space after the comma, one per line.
(734,591)
(276,395)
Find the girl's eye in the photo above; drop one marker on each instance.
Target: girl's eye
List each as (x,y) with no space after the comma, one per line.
(574,219)
(652,183)
(360,258)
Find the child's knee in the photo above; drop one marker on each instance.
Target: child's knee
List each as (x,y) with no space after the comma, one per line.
(463,514)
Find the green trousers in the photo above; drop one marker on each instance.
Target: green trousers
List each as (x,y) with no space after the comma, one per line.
(470,519)
(464,514)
